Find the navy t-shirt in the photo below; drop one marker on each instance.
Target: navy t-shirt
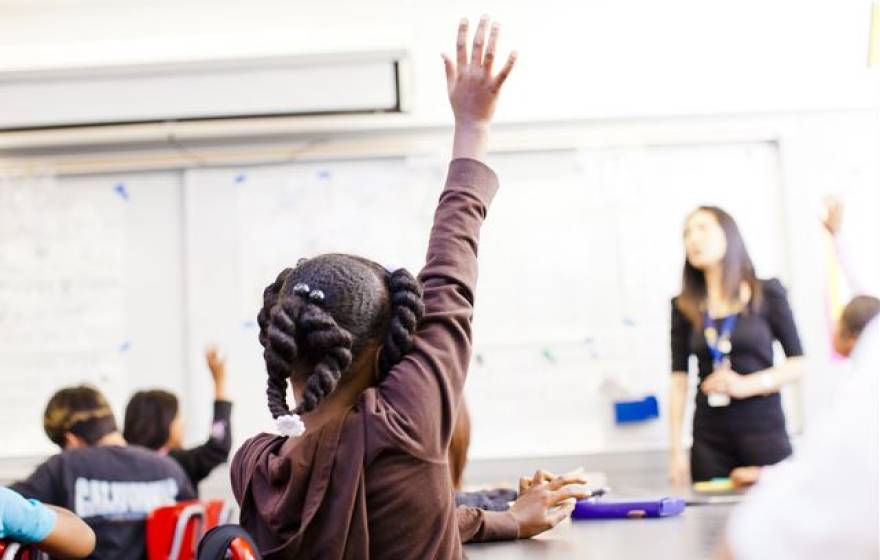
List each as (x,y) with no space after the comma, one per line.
(751,351)
(112,488)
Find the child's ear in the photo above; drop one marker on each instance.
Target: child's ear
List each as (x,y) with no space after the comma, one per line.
(72,441)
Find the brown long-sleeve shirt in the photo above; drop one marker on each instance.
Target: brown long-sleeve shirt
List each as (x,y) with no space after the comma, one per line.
(375,483)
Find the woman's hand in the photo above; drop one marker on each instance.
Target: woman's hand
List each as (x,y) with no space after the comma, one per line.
(728,382)
(743,477)
(532,508)
(679,469)
(473,90)
(217,365)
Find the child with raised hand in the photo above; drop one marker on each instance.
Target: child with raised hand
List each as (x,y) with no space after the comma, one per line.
(377,360)
(153,420)
(110,485)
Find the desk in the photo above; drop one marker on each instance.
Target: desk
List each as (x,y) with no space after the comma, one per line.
(692,535)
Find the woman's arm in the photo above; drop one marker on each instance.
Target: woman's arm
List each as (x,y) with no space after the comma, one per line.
(762,382)
(679,336)
(678,461)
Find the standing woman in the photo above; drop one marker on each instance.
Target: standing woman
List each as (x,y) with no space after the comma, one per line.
(729,319)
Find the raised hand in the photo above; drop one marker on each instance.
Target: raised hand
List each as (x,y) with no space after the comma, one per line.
(472,87)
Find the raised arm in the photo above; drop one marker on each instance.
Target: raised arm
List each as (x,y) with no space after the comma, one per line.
(422,392)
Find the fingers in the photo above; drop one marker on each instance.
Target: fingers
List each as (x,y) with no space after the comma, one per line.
(560,515)
(489,57)
(461,43)
(567,494)
(561,481)
(450,71)
(542,476)
(505,71)
(479,41)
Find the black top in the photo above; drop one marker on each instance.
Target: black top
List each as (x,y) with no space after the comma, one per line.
(198,462)
(751,351)
(113,489)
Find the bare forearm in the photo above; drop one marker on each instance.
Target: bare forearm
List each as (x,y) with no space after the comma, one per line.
(470,141)
(677,396)
(773,379)
(71,537)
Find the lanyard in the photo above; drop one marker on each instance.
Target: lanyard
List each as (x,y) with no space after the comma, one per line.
(718,338)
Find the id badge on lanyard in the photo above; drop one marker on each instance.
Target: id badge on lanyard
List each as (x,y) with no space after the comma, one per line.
(718,341)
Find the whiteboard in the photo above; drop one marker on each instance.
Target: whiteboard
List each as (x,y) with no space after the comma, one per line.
(89,293)
(579,258)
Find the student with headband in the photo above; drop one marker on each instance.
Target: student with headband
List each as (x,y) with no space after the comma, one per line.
(112,486)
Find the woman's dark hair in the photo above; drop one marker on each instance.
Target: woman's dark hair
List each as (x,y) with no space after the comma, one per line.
(858,313)
(82,411)
(736,266)
(148,418)
(318,315)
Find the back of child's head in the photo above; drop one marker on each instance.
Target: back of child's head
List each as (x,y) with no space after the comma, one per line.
(82,411)
(148,418)
(857,314)
(318,317)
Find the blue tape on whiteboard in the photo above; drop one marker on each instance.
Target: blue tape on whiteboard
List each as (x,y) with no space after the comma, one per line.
(626,412)
(121,190)
(240,178)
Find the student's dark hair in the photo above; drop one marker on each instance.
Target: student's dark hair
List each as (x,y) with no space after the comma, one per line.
(736,266)
(858,313)
(319,315)
(82,411)
(148,418)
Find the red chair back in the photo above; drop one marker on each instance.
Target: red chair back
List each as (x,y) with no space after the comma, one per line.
(174,531)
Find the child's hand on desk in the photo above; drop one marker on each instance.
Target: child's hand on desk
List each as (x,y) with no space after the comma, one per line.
(538,496)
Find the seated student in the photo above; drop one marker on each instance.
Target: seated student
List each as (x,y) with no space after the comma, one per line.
(152,419)
(377,361)
(855,317)
(790,514)
(110,485)
(53,530)
(496,499)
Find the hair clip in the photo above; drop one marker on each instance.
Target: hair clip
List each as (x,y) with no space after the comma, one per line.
(316,296)
(301,289)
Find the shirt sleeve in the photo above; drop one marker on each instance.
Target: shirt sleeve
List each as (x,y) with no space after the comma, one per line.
(22,520)
(420,396)
(477,525)
(781,319)
(198,462)
(44,484)
(679,337)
